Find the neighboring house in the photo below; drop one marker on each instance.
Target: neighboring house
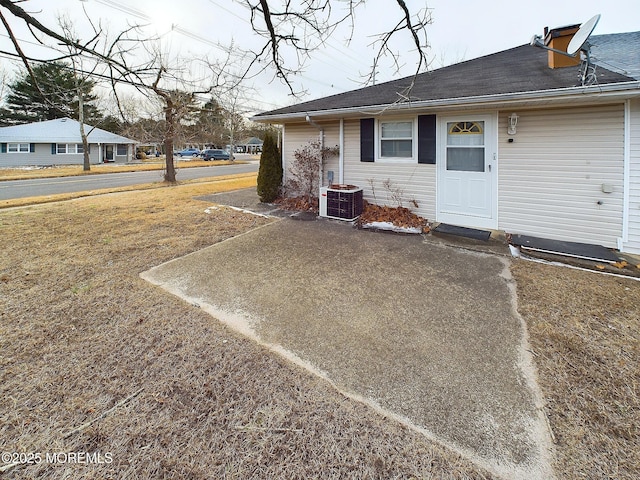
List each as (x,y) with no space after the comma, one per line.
(569,169)
(251,145)
(58,142)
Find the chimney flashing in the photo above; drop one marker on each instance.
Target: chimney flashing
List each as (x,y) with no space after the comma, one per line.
(558,32)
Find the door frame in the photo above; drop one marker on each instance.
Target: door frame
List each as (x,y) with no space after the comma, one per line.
(491,163)
(106,147)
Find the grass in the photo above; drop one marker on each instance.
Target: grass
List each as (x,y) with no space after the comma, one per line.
(76,170)
(94,359)
(168,392)
(584,330)
(203,182)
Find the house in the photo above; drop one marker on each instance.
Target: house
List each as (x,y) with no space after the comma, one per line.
(514,141)
(57,142)
(250,145)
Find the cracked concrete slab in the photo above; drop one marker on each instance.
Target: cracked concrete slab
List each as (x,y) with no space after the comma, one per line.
(421,331)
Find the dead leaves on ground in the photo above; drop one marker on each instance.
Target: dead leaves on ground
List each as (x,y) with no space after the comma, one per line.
(399,216)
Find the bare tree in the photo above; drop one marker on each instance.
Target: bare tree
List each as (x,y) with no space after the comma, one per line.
(291,27)
(4,81)
(297,27)
(210,124)
(232,100)
(174,108)
(124,60)
(81,75)
(302,27)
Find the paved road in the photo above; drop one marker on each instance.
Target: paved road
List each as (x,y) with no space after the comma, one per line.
(51,186)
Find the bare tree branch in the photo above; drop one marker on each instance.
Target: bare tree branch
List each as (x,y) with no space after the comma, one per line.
(26,63)
(299,28)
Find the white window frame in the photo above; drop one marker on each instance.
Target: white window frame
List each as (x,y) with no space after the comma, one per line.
(124,147)
(414,140)
(69,148)
(18,147)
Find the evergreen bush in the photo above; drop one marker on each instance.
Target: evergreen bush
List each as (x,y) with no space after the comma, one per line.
(270,171)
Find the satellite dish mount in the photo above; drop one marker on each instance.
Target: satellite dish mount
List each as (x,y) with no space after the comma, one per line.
(579,43)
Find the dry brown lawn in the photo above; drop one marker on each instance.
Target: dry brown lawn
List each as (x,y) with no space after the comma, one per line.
(21,202)
(584,330)
(94,359)
(76,170)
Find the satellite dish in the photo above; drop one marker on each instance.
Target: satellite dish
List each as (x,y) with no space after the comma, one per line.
(582,35)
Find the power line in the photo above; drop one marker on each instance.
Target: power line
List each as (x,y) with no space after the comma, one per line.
(304,79)
(125,9)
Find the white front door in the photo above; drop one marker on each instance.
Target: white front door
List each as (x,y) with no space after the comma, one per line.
(467,171)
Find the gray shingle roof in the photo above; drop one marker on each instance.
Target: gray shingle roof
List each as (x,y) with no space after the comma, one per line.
(619,52)
(60,130)
(519,69)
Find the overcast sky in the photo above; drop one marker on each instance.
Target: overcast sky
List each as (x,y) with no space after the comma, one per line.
(460,30)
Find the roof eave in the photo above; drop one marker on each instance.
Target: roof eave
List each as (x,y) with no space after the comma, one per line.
(608,91)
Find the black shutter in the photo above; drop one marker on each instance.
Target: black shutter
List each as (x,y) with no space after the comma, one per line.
(32,147)
(427,139)
(367,139)
(54,149)
(3,148)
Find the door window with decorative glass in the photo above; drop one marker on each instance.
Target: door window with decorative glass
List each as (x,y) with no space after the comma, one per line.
(465,146)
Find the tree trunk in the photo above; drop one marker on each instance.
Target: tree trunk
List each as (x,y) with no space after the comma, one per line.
(170,173)
(85,143)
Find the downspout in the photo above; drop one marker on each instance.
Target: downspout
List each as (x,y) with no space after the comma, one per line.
(341,154)
(320,170)
(626,174)
(281,144)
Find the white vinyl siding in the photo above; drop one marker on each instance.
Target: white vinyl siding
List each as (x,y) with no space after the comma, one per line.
(417,181)
(297,135)
(633,243)
(551,176)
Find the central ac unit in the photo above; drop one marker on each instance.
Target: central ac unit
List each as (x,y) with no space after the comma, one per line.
(343,202)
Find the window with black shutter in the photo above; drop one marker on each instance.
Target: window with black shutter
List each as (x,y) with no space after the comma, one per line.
(396,140)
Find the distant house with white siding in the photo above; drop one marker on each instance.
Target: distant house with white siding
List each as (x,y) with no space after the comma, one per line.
(58,142)
(568,167)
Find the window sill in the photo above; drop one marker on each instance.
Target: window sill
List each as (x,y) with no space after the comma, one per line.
(397,160)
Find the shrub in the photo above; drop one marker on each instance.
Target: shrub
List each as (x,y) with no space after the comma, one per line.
(270,171)
(305,169)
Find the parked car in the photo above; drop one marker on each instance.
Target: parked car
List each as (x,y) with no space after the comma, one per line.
(188,152)
(214,155)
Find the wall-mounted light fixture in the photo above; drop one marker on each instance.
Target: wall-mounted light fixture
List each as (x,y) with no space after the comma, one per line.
(513,121)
